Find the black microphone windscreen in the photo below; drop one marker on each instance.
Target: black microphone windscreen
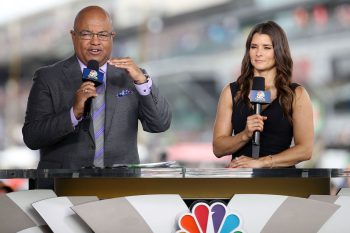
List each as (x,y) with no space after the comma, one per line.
(93,65)
(258,83)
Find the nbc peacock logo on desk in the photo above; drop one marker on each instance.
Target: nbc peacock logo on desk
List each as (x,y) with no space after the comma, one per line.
(210,219)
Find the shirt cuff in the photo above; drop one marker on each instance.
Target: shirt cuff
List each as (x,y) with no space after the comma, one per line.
(144,88)
(74,120)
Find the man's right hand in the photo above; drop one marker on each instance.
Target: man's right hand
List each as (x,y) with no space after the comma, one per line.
(85,91)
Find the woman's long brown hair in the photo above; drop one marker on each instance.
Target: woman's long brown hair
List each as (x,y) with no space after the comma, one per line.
(284,66)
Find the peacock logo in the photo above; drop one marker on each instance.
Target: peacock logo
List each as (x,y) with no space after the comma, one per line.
(260,96)
(210,219)
(93,75)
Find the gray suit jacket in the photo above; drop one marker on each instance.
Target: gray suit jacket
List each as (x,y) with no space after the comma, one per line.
(48,125)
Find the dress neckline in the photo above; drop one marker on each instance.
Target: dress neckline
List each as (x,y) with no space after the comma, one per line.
(267,107)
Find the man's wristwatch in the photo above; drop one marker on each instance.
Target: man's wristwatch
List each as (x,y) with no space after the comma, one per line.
(144,72)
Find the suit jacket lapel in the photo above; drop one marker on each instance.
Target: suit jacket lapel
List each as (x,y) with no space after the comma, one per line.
(73,79)
(114,85)
(72,72)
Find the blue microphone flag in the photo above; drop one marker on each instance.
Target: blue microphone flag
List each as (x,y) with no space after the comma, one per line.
(94,76)
(259,96)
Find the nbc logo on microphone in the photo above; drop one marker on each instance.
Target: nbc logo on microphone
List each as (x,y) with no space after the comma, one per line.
(210,219)
(260,96)
(93,74)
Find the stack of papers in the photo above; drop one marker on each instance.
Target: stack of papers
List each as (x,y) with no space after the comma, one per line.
(148,165)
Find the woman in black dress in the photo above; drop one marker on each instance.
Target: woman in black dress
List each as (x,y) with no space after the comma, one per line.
(288,116)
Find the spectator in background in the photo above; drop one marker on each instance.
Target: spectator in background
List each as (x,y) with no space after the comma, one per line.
(5,188)
(288,116)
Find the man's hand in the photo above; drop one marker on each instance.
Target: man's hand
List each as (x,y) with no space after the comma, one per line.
(128,64)
(85,91)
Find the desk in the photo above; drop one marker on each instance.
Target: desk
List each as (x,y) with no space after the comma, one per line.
(190,183)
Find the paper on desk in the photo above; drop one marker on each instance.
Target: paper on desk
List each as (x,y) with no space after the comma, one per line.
(148,165)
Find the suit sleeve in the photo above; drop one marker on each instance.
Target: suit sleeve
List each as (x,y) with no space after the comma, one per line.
(44,126)
(154,112)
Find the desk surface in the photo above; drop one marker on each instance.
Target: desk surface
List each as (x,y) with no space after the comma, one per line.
(190,183)
(173,172)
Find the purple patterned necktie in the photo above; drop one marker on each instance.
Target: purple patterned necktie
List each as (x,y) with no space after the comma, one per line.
(98,119)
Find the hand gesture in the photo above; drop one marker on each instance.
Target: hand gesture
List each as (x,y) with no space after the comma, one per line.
(128,64)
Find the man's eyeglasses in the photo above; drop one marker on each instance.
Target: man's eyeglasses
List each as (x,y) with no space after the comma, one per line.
(87,35)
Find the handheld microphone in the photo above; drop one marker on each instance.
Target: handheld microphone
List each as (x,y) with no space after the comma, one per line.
(91,73)
(258,96)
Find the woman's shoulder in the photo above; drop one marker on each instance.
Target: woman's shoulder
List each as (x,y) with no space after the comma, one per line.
(233,87)
(229,92)
(297,88)
(294,86)
(300,92)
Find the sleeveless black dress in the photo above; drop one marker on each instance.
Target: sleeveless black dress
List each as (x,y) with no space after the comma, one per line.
(278,131)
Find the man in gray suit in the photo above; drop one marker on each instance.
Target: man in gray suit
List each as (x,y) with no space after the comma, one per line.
(54,121)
